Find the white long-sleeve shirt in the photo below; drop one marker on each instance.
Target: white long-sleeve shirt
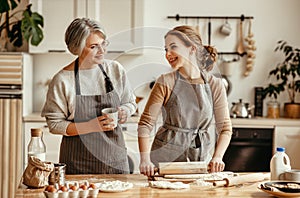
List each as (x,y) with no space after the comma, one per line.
(59,108)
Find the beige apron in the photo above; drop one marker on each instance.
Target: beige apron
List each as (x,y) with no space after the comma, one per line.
(187,133)
(98,152)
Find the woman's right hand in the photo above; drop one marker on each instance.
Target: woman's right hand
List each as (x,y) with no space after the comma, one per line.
(102,123)
(147,168)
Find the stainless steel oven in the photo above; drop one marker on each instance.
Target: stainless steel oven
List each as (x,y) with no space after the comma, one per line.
(250,150)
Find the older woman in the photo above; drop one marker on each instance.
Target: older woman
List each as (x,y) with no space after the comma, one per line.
(196,122)
(76,96)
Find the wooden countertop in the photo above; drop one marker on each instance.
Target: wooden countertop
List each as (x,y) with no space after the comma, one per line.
(141,188)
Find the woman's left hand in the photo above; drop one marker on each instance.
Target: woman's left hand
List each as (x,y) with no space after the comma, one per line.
(122,115)
(216,165)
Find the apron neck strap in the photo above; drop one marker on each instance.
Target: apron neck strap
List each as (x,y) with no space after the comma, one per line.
(202,73)
(77,85)
(108,84)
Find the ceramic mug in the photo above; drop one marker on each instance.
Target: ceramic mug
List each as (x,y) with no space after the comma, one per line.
(292,175)
(225,29)
(112,113)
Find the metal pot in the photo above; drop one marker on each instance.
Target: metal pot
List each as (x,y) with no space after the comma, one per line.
(240,110)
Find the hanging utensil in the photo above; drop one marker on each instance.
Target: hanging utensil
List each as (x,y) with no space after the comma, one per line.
(225,29)
(241,48)
(227,83)
(209,31)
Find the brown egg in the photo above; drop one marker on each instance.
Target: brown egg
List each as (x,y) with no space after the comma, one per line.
(50,188)
(63,188)
(83,187)
(74,188)
(92,185)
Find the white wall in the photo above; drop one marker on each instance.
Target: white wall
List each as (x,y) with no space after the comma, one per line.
(273,20)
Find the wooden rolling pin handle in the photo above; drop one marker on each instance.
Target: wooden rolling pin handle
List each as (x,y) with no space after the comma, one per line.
(254,177)
(223,182)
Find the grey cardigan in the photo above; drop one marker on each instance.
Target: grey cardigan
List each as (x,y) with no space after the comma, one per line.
(59,107)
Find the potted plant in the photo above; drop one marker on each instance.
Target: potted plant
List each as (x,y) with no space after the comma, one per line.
(287,75)
(18,24)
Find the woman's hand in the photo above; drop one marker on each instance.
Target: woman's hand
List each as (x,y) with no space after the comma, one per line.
(122,115)
(216,165)
(147,168)
(102,123)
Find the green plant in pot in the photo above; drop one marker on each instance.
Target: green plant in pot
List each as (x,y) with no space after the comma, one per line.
(17,25)
(287,75)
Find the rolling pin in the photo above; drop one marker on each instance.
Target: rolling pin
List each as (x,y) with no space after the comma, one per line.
(169,168)
(231,181)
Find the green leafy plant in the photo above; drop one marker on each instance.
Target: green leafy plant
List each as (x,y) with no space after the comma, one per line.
(287,73)
(15,28)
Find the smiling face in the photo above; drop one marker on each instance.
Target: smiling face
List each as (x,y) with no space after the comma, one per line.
(177,53)
(94,50)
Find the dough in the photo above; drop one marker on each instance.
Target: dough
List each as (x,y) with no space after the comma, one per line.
(168,185)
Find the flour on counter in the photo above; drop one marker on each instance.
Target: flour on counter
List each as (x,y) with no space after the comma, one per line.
(168,185)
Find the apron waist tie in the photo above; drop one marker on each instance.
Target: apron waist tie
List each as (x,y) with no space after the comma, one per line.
(184,130)
(200,134)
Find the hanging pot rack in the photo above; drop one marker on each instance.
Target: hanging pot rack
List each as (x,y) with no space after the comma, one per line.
(177,17)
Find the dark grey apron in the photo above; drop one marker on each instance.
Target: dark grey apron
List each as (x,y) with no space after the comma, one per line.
(185,134)
(98,152)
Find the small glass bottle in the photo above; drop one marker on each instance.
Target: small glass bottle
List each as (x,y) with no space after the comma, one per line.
(36,146)
(273,109)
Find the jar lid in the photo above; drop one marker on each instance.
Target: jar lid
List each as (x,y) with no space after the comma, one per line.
(36,132)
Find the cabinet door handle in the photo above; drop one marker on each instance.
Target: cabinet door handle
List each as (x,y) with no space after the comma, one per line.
(293,136)
(56,51)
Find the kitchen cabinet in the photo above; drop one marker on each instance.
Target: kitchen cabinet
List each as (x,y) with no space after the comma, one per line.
(15,101)
(131,140)
(120,19)
(123,21)
(131,136)
(52,141)
(57,16)
(289,138)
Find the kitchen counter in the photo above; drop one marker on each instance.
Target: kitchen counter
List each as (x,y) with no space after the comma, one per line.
(262,121)
(141,188)
(34,117)
(236,122)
